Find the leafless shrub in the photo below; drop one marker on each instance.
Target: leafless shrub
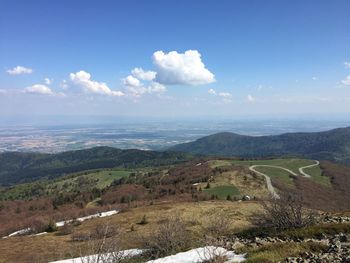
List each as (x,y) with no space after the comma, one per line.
(214,250)
(66,229)
(37,226)
(105,249)
(286,212)
(169,237)
(217,225)
(81,236)
(100,232)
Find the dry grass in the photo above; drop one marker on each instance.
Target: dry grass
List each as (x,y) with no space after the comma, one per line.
(53,247)
(274,253)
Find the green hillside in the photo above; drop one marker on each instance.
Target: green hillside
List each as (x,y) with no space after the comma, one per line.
(333,145)
(17,167)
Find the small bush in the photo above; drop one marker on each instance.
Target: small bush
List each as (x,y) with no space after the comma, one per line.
(66,229)
(143,221)
(287,212)
(38,226)
(217,225)
(169,237)
(51,226)
(103,232)
(81,236)
(105,249)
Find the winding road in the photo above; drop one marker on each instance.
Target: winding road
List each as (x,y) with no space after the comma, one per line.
(268,180)
(301,169)
(269,185)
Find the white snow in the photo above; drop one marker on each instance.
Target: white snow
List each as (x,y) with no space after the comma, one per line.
(62,223)
(84,218)
(196,255)
(201,254)
(40,234)
(19,232)
(106,257)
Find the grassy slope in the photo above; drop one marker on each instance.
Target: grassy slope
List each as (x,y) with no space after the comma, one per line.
(222,191)
(17,167)
(99,179)
(291,164)
(102,179)
(196,215)
(274,173)
(277,174)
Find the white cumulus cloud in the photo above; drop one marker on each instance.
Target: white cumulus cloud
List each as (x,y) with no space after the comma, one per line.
(346,81)
(39,89)
(136,88)
(347,64)
(19,70)
(83,79)
(131,81)
(139,73)
(156,87)
(181,68)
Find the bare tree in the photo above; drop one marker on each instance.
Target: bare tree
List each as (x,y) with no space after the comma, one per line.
(217,225)
(102,246)
(168,237)
(286,212)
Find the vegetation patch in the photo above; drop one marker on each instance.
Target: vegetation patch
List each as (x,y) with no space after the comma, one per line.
(222,191)
(277,252)
(277,174)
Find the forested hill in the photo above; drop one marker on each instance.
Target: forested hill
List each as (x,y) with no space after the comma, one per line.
(333,145)
(18,167)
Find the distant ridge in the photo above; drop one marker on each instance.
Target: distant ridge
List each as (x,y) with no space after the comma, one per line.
(332,145)
(19,167)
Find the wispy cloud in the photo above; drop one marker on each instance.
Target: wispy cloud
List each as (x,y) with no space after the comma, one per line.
(250,98)
(48,81)
(346,81)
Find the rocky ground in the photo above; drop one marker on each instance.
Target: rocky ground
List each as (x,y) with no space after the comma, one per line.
(337,246)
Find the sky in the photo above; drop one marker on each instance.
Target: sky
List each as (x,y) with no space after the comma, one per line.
(174,59)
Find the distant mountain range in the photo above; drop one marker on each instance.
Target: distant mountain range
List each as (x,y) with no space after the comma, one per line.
(333,145)
(18,167)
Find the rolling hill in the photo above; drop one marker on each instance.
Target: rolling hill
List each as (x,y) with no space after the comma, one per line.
(333,145)
(18,167)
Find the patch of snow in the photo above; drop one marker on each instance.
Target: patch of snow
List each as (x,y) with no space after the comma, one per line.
(84,218)
(39,234)
(62,223)
(201,254)
(19,232)
(104,258)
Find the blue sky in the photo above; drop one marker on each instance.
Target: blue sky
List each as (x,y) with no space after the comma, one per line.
(174,58)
